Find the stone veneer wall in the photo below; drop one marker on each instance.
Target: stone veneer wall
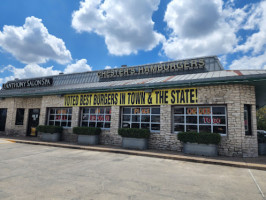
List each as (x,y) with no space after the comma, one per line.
(165,139)
(235,143)
(12,104)
(111,137)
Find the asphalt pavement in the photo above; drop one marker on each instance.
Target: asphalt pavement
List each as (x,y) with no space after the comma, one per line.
(46,172)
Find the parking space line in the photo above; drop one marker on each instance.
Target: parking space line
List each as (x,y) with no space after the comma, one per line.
(256,183)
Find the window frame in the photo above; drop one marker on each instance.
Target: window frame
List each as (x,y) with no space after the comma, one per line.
(104,114)
(140,115)
(23,116)
(248,114)
(198,124)
(67,114)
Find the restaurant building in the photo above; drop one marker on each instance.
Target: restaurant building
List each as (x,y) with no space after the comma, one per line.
(166,98)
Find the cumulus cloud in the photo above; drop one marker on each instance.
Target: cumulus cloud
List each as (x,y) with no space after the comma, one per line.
(108,67)
(256,21)
(79,66)
(31,70)
(126,26)
(253,46)
(201,28)
(32,43)
(250,62)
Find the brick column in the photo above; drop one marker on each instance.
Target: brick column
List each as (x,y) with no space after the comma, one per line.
(75,117)
(112,137)
(165,139)
(166,119)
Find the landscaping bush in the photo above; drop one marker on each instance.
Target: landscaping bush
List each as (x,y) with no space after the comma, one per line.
(86,130)
(134,132)
(49,129)
(261,118)
(200,138)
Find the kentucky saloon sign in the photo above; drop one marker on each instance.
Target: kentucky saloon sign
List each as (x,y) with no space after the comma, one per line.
(41,82)
(159,68)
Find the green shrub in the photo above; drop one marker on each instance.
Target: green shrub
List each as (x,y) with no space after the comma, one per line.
(86,131)
(261,138)
(200,138)
(49,129)
(261,118)
(134,132)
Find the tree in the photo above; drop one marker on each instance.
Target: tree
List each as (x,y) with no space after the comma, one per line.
(261,118)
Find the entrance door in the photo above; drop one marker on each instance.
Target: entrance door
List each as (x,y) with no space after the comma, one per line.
(33,121)
(3,119)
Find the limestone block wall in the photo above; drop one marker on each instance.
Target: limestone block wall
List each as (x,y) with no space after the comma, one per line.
(111,137)
(234,97)
(12,104)
(235,143)
(165,139)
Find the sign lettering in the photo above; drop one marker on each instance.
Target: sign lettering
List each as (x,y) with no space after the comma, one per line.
(156,97)
(186,65)
(28,83)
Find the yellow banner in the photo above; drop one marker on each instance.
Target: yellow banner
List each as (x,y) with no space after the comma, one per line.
(132,98)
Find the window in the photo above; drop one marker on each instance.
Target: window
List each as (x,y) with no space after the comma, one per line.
(20,116)
(141,117)
(200,119)
(96,117)
(60,116)
(247,119)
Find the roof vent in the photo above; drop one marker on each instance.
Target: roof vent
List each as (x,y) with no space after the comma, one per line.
(61,73)
(123,65)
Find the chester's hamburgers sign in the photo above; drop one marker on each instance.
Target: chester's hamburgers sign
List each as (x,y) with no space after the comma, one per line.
(159,68)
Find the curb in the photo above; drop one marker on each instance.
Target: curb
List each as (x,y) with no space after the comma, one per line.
(149,154)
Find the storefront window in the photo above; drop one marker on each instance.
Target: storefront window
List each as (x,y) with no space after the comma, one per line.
(247,119)
(141,117)
(96,117)
(200,119)
(20,116)
(60,117)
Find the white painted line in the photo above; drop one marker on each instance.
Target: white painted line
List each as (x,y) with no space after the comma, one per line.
(256,183)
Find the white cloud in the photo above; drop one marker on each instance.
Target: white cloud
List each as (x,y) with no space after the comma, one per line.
(126,26)
(29,71)
(250,62)
(79,66)
(108,67)
(31,43)
(256,21)
(201,28)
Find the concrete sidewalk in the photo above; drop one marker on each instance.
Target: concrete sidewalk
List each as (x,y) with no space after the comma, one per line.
(251,163)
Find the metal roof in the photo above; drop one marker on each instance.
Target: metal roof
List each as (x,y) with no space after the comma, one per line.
(89,82)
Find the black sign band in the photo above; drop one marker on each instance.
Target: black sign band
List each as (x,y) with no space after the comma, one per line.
(28,83)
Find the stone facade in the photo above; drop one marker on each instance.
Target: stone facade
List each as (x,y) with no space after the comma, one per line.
(12,104)
(234,97)
(235,143)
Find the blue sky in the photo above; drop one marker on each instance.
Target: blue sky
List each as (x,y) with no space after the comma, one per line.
(45,37)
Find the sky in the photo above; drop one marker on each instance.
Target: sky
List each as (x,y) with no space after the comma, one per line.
(47,37)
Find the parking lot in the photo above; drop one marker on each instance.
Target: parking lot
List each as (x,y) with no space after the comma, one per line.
(43,172)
